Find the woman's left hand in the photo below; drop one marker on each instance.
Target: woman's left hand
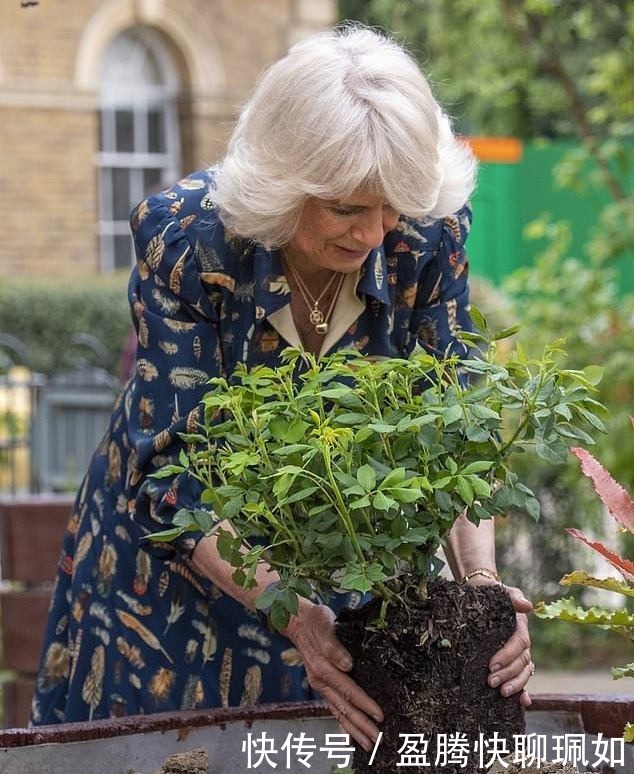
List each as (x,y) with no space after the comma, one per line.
(512,667)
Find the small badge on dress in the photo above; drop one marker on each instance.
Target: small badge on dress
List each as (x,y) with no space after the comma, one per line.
(207,202)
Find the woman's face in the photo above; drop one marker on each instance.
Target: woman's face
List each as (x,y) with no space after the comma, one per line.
(338,234)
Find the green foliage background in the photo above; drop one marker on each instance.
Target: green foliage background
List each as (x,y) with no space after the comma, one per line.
(500,66)
(45,313)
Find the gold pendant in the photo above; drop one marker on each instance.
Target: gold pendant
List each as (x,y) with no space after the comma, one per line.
(321,328)
(316,316)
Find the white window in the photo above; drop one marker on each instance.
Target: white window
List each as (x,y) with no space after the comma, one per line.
(139,149)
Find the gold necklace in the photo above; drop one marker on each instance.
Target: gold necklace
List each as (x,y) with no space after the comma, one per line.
(318,319)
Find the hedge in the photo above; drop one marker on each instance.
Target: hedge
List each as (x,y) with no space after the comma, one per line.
(45,314)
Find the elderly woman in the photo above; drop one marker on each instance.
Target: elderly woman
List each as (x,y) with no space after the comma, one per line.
(337,219)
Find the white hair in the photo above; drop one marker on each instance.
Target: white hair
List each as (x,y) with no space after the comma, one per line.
(344,109)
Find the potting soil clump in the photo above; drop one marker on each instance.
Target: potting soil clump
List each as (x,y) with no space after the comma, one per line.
(544,768)
(428,669)
(192,762)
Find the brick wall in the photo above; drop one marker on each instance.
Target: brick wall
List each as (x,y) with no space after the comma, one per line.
(48,191)
(49,81)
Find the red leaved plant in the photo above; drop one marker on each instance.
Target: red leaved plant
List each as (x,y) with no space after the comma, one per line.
(620,506)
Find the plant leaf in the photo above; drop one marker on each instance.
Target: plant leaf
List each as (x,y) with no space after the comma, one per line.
(355,580)
(465,489)
(477,467)
(483,412)
(610,584)
(279,616)
(592,419)
(366,476)
(505,333)
(551,452)
(381,502)
(612,494)
(478,318)
(593,373)
(626,671)
(625,566)
(335,393)
(452,414)
(302,494)
(350,418)
(279,428)
(382,427)
(167,470)
(361,502)
(477,434)
(566,609)
(404,495)
(532,507)
(296,431)
(394,477)
(480,486)
(165,535)
(293,448)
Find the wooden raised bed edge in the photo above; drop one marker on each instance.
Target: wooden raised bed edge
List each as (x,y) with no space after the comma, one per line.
(160,721)
(600,713)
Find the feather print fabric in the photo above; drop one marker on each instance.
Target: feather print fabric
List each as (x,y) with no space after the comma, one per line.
(133,627)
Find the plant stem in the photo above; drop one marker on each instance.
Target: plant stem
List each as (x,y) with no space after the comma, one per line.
(341,506)
(527,411)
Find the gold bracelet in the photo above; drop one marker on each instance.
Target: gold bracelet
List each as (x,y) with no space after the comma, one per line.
(486,573)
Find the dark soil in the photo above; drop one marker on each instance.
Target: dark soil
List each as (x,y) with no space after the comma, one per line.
(193,762)
(543,768)
(428,671)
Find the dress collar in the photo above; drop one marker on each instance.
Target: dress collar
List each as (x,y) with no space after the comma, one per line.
(348,308)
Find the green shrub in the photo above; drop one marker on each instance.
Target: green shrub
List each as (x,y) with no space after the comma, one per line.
(352,474)
(561,296)
(578,301)
(45,314)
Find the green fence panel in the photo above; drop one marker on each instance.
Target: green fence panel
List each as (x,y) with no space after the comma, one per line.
(494,240)
(511,195)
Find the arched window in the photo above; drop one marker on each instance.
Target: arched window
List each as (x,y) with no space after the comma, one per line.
(139,135)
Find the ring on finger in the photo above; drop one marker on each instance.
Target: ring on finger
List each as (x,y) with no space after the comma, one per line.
(532,669)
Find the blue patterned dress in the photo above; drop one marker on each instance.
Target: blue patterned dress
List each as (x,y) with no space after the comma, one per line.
(132,630)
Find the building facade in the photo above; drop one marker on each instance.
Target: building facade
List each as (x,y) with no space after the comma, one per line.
(102,101)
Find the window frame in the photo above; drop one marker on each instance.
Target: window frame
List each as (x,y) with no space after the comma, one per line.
(140,103)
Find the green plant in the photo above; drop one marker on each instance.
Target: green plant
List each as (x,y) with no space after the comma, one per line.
(621,507)
(562,296)
(546,299)
(346,474)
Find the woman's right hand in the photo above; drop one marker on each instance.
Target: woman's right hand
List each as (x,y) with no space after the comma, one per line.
(312,631)
(326,661)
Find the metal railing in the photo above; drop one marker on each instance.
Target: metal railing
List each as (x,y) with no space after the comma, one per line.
(50,425)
